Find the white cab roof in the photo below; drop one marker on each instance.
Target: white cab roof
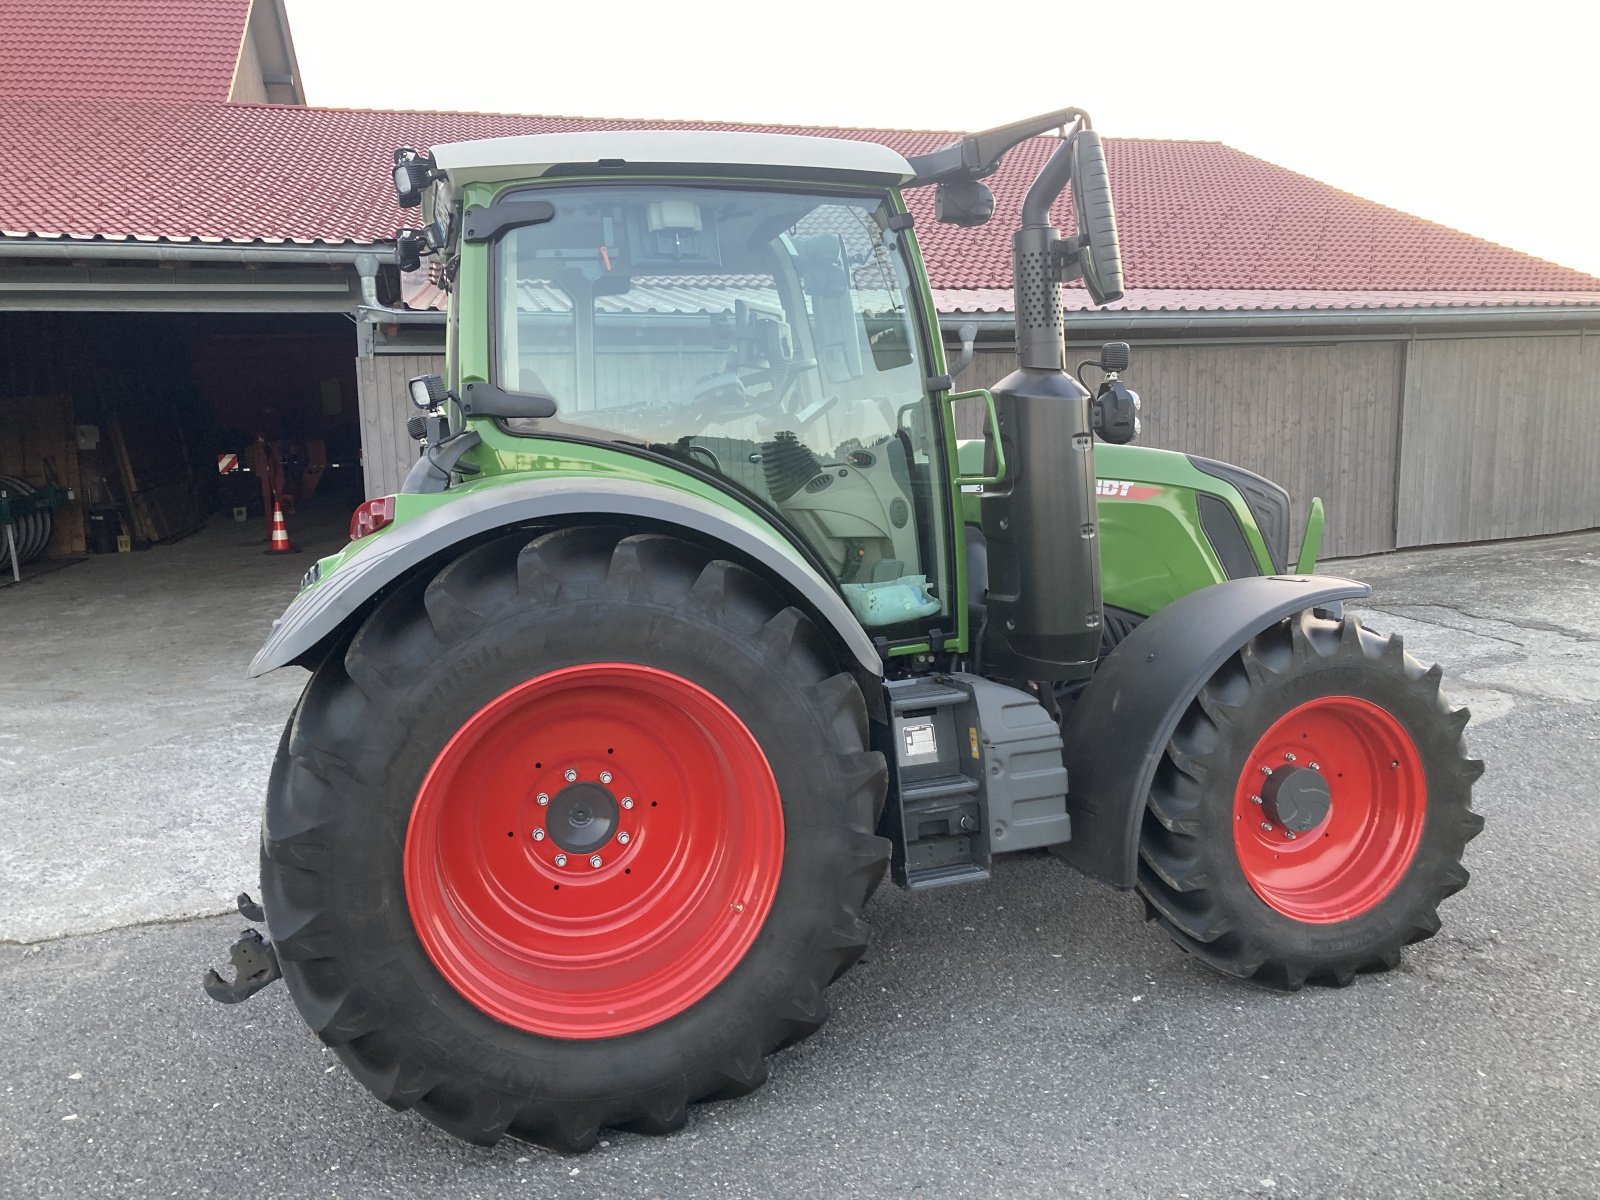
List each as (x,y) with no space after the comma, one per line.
(492,160)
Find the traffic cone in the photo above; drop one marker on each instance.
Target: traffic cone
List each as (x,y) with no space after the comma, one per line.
(280,533)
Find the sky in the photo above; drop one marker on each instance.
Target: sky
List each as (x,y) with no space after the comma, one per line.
(1477,116)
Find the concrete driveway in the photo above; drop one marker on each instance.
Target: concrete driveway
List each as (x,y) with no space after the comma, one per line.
(1029,1037)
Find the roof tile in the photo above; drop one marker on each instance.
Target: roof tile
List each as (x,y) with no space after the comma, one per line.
(180,50)
(1193,215)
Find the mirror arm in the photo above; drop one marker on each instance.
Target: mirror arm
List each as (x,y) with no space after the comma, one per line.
(1048,185)
(978,154)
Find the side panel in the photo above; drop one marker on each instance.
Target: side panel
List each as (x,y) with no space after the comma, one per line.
(1153,542)
(320,610)
(1124,717)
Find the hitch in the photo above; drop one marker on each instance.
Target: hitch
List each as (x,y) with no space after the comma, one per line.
(255,965)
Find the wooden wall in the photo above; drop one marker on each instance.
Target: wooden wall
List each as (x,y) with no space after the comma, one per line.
(1319,419)
(1501,438)
(38,445)
(1409,443)
(387,450)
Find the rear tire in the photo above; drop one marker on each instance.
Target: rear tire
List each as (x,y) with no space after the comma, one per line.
(1311,809)
(405,795)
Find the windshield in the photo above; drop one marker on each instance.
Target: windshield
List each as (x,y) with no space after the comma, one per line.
(763,335)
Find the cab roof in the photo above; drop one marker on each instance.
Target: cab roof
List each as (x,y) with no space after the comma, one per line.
(494,160)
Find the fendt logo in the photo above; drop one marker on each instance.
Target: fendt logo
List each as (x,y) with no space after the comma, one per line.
(1122,489)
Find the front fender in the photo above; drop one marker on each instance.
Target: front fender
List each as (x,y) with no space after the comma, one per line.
(320,611)
(1121,723)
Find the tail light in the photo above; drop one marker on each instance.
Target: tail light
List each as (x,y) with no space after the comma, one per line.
(371,517)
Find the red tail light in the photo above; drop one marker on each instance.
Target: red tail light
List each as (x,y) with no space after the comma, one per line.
(371,517)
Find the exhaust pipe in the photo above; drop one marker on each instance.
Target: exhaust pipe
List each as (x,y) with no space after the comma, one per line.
(1041,523)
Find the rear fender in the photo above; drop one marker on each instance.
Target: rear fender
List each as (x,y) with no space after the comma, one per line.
(1122,720)
(322,610)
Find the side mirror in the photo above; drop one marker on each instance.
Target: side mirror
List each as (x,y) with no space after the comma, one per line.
(1099,258)
(965,202)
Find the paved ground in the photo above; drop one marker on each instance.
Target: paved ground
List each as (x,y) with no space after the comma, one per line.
(1030,1037)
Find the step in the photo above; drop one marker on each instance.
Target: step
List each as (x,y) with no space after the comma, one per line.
(924,693)
(946,876)
(937,789)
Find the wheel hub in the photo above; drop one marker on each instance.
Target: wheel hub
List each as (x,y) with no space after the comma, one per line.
(1297,798)
(1329,809)
(582,817)
(594,850)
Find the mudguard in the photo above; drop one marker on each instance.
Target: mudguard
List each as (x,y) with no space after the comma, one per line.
(1121,722)
(319,611)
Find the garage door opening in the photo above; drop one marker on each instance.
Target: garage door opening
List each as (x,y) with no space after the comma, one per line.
(130,432)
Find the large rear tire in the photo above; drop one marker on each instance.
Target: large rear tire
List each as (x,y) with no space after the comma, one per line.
(1311,809)
(572,834)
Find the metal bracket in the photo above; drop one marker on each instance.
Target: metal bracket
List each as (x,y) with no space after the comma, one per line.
(255,966)
(483,224)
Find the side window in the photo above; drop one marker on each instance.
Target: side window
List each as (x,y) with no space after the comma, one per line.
(766,336)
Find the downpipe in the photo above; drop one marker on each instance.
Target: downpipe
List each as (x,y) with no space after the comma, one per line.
(1040,523)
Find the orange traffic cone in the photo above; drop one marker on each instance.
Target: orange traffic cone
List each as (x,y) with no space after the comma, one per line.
(280,533)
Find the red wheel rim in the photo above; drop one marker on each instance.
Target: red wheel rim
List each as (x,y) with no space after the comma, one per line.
(690,850)
(1376,794)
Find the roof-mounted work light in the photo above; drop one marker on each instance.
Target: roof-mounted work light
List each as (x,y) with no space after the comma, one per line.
(412,172)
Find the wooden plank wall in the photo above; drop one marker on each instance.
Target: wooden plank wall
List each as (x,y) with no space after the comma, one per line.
(1320,419)
(387,450)
(1501,438)
(38,445)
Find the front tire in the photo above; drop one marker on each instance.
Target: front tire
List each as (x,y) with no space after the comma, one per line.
(571,835)
(1311,810)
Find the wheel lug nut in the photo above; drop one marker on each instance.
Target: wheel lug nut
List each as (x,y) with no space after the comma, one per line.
(561,860)
(542,798)
(1288,758)
(570,775)
(623,839)
(1255,799)
(1266,770)
(1315,766)
(605,776)
(1267,825)
(1289,833)
(538,835)
(595,861)
(627,802)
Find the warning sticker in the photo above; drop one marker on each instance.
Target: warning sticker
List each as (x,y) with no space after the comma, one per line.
(920,740)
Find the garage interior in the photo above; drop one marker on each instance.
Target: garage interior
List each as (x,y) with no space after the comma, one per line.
(122,431)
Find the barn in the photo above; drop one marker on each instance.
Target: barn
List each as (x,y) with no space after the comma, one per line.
(196,271)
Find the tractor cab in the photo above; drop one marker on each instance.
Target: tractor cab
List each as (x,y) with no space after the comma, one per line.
(746,308)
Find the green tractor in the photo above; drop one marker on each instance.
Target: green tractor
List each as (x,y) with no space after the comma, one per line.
(694,619)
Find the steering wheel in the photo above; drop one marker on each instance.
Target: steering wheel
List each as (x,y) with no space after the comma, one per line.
(726,397)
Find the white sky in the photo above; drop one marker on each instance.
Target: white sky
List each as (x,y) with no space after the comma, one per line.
(1478,116)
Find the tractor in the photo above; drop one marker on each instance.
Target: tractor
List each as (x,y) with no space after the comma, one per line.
(694,620)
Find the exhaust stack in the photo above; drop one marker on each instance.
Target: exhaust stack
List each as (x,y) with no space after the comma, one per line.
(1041,523)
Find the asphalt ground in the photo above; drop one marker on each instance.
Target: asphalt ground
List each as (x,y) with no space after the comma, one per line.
(1030,1036)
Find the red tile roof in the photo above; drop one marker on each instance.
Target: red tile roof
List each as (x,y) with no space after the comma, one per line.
(176,50)
(1194,215)
(1182,300)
